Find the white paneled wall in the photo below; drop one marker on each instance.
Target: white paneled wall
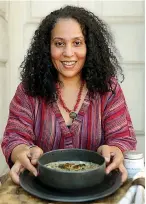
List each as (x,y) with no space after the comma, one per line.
(126,20)
(129,40)
(123,8)
(47,7)
(3,74)
(134,80)
(94,6)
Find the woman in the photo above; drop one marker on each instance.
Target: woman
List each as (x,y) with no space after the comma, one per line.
(69,96)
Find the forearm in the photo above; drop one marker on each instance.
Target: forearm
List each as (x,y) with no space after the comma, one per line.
(124,143)
(9,144)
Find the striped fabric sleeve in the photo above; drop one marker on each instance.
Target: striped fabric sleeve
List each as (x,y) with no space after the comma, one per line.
(117,124)
(19,128)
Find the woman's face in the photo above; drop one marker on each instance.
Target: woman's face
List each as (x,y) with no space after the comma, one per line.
(68,48)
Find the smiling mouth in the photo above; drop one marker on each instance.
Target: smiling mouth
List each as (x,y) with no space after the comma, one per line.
(68,63)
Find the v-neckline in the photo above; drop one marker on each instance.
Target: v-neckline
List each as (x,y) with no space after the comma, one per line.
(78,119)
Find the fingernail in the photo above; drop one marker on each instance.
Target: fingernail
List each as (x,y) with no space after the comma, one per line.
(107,159)
(107,171)
(35,173)
(112,154)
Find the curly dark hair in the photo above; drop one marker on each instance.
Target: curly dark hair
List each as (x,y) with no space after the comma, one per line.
(38,74)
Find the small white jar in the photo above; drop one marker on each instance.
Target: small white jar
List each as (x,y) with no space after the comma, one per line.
(133,162)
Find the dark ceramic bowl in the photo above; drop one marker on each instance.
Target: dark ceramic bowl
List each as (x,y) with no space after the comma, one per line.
(69,180)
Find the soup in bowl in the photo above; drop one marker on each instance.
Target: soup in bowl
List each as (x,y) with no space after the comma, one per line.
(70,169)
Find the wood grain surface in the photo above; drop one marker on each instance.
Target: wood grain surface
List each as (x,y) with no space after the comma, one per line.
(11,193)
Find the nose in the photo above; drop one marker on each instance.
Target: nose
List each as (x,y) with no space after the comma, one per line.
(68,51)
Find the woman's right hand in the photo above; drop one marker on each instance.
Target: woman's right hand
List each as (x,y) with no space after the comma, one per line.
(24,157)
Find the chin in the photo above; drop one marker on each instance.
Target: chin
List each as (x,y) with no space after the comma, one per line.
(70,75)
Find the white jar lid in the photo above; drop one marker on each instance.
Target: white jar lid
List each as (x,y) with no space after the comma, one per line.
(133,155)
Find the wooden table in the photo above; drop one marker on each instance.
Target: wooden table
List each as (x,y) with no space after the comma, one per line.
(11,193)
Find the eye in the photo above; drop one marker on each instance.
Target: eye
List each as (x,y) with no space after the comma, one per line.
(59,44)
(77,43)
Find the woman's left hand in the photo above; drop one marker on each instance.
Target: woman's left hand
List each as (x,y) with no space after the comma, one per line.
(114,159)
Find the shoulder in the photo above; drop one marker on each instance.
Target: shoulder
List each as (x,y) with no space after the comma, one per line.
(114,88)
(114,84)
(22,97)
(20,92)
(20,88)
(115,95)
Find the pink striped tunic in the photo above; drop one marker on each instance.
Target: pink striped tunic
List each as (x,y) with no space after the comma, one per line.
(102,120)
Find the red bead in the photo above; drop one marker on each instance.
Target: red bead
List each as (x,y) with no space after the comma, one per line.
(77,101)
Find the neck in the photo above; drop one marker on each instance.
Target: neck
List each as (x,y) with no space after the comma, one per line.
(71,82)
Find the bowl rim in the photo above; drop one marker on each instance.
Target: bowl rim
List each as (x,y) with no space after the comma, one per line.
(71,172)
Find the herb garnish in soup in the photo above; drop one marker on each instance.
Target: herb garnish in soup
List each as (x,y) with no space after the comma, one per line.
(72,165)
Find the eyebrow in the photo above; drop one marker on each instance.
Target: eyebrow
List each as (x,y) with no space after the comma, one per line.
(59,38)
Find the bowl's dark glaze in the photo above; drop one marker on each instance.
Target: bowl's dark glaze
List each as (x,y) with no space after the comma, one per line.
(71,179)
